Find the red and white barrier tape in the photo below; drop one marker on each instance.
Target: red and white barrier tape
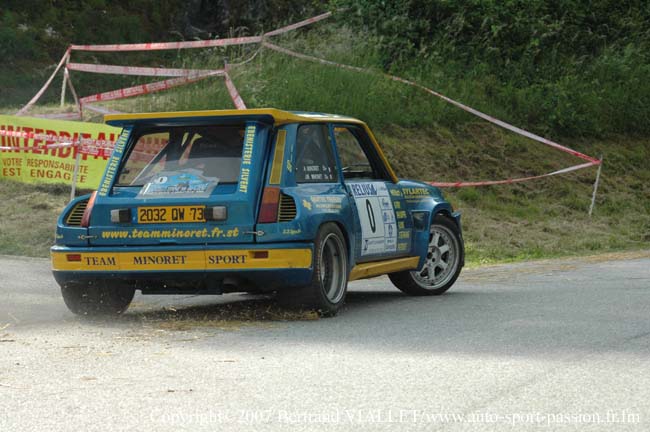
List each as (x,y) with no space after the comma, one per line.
(152,46)
(189,74)
(87,145)
(234,94)
(496,121)
(101,109)
(591,160)
(147,71)
(134,70)
(514,180)
(156,87)
(299,24)
(49,146)
(148,88)
(199,44)
(33,136)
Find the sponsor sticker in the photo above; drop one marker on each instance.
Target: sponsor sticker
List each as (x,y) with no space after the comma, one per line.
(179,184)
(377,217)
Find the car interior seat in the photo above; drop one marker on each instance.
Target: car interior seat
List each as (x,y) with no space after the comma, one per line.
(216,158)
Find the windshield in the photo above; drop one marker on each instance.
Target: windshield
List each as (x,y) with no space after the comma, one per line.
(210,153)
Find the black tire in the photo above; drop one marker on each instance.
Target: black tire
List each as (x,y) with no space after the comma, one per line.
(96,298)
(327,290)
(448,251)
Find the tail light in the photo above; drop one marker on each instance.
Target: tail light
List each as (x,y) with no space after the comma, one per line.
(85,219)
(269,207)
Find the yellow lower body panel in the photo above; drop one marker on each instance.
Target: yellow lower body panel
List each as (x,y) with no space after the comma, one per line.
(371,269)
(237,259)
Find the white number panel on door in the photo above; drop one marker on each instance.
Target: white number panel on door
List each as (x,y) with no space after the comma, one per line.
(377,217)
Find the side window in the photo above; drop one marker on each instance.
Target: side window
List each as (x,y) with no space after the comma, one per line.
(354,161)
(314,156)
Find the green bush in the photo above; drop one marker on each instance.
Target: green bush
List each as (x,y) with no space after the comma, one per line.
(562,67)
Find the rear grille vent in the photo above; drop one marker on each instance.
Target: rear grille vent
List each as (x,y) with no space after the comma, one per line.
(75,215)
(287,209)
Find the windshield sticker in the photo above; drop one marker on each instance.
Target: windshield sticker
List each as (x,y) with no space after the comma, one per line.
(317,173)
(114,162)
(246,158)
(179,184)
(377,217)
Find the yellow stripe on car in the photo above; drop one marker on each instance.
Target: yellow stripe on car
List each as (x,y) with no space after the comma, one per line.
(376,268)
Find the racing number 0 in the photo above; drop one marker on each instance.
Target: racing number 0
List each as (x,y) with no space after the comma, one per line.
(371,216)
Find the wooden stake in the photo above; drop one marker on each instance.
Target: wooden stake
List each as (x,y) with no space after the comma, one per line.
(65,80)
(593,195)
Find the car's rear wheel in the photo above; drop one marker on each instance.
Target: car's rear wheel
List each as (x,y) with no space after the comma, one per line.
(96,298)
(327,290)
(442,266)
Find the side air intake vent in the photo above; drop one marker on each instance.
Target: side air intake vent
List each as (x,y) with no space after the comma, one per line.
(75,215)
(287,209)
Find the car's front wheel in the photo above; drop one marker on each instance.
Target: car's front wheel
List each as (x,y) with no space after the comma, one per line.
(96,298)
(442,265)
(327,290)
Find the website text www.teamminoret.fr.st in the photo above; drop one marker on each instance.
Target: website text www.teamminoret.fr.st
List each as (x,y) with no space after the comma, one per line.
(173,233)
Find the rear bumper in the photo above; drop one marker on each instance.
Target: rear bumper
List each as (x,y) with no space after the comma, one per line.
(179,269)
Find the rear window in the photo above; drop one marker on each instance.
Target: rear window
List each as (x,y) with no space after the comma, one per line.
(208,155)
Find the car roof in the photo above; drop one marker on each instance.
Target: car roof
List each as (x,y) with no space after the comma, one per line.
(267,115)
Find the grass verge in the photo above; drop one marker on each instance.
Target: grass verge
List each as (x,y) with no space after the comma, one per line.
(29,214)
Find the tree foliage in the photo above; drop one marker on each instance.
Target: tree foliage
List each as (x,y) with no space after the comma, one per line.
(513,36)
(38,30)
(576,67)
(560,67)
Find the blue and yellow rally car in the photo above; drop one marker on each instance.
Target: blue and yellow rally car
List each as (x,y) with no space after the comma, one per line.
(257,200)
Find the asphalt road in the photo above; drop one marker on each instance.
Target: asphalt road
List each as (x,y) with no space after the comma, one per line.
(555,345)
